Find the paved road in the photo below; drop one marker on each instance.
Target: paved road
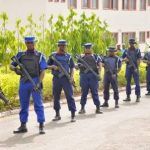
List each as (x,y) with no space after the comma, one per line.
(127,128)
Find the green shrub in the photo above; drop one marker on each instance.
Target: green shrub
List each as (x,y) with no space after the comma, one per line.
(10,84)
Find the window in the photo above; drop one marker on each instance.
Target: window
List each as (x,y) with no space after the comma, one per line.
(85,3)
(110,4)
(148,34)
(129,4)
(142,37)
(148,2)
(142,4)
(63,1)
(93,4)
(127,35)
(50,0)
(72,3)
(56,0)
(115,36)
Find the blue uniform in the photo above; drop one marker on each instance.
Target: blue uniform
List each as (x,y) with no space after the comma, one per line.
(26,90)
(88,80)
(135,54)
(61,82)
(147,57)
(114,64)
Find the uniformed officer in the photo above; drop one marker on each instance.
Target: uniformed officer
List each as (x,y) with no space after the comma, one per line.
(35,64)
(135,56)
(62,82)
(88,80)
(112,65)
(146,60)
(119,50)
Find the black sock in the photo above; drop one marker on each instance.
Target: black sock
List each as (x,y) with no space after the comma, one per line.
(72,114)
(57,113)
(82,106)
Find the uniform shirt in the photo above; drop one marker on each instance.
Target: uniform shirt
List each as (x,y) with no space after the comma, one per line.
(147,57)
(92,60)
(42,62)
(65,60)
(114,63)
(134,54)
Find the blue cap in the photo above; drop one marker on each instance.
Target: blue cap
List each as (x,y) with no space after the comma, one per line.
(88,45)
(112,49)
(29,39)
(132,41)
(62,42)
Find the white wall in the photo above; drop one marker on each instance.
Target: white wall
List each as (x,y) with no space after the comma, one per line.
(21,9)
(119,21)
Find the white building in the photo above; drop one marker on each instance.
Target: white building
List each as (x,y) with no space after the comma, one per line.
(125,17)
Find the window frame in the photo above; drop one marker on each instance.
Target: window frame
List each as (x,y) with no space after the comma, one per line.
(148,3)
(90,5)
(116,36)
(128,33)
(111,5)
(129,6)
(141,41)
(143,9)
(71,6)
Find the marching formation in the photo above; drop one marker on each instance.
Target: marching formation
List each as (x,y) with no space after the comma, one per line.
(31,66)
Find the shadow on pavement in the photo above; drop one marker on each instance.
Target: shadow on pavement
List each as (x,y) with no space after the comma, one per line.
(129,103)
(109,109)
(85,116)
(17,140)
(58,124)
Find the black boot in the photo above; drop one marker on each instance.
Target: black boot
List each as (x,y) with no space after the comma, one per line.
(82,110)
(57,117)
(138,99)
(73,116)
(128,99)
(148,93)
(21,129)
(105,104)
(41,128)
(98,110)
(116,104)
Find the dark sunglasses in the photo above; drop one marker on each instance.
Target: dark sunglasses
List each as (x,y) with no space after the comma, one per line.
(29,42)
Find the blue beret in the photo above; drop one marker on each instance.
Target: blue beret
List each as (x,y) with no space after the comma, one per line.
(62,42)
(29,39)
(112,49)
(132,41)
(88,45)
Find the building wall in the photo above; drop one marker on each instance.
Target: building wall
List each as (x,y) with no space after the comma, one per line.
(21,9)
(119,20)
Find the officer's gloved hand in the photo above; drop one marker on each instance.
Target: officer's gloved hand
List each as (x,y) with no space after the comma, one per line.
(126,60)
(114,76)
(39,86)
(148,62)
(81,65)
(72,79)
(55,67)
(17,71)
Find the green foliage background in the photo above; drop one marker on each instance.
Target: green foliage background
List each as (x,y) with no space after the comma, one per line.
(75,31)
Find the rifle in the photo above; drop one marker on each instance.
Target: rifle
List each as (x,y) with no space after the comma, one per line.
(25,73)
(87,67)
(148,58)
(108,68)
(131,62)
(3,98)
(63,71)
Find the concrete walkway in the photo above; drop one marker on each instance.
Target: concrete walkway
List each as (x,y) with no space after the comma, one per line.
(126,128)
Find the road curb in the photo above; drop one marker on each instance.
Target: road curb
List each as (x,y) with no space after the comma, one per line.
(63,101)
